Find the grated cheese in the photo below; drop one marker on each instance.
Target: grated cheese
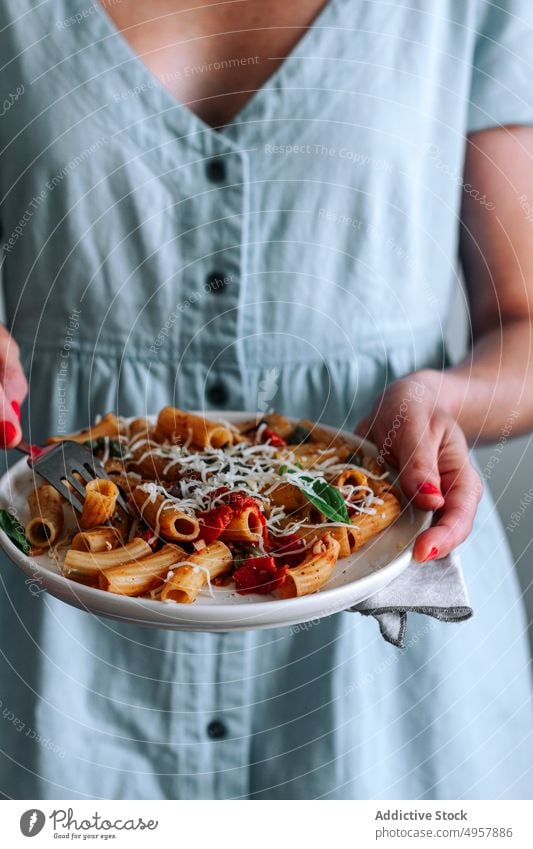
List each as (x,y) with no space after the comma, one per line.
(252,468)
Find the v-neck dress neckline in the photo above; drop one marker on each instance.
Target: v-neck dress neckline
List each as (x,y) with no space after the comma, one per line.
(122,54)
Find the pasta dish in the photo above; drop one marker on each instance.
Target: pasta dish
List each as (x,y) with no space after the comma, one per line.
(263,506)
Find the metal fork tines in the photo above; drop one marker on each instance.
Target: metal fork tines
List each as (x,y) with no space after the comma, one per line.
(66,463)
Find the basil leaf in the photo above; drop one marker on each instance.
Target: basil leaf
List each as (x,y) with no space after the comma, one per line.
(324,496)
(115,448)
(328,500)
(246,552)
(299,434)
(14,530)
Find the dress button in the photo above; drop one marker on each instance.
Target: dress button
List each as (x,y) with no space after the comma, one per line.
(216,281)
(216,730)
(216,170)
(217,395)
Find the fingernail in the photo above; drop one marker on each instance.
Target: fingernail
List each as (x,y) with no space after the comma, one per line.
(433,554)
(429,489)
(16,408)
(8,432)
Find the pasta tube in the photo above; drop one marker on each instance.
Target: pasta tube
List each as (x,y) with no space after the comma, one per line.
(312,514)
(313,573)
(89,564)
(46,509)
(139,427)
(140,576)
(108,426)
(288,496)
(181,427)
(246,526)
(114,466)
(163,516)
(367,525)
(382,485)
(327,439)
(97,539)
(184,585)
(341,535)
(311,454)
(279,424)
(100,502)
(148,461)
(351,477)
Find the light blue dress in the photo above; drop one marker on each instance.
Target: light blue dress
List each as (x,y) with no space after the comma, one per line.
(328,208)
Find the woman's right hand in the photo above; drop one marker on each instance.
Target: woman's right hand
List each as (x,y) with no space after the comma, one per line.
(13,390)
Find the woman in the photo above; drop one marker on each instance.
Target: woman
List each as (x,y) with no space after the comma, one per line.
(246,206)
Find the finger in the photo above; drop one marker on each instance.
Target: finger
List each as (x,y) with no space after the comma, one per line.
(11,373)
(13,390)
(418,455)
(462,492)
(10,432)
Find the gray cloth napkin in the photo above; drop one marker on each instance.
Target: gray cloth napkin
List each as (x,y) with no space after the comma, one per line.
(436,588)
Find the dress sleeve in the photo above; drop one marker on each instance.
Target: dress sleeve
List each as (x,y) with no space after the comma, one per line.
(502,76)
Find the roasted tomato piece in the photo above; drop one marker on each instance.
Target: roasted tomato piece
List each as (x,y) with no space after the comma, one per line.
(273,438)
(213,522)
(289,549)
(286,544)
(259,575)
(149,536)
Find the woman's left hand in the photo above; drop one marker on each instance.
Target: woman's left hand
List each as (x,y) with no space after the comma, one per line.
(417,435)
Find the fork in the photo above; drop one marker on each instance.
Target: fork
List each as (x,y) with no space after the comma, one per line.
(61,463)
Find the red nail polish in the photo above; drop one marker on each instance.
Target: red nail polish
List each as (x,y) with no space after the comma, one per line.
(429,489)
(16,408)
(8,431)
(433,554)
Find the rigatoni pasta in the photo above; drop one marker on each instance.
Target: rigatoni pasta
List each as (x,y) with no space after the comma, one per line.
(187,579)
(97,539)
(163,515)
(100,502)
(186,428)
(140,576)
(265,507)
(46,509)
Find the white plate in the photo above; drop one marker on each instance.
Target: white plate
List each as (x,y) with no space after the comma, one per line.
(355,578)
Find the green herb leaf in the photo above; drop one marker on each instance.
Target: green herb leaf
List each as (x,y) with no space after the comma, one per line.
(14,531)
(115,448)
(299,434)
(324,496)
(244,552)
(327,499)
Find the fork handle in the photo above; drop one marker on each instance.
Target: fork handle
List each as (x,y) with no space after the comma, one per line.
(25,447)
(31,451)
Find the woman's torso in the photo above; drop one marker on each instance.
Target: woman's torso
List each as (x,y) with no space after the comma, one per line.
(327,205)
